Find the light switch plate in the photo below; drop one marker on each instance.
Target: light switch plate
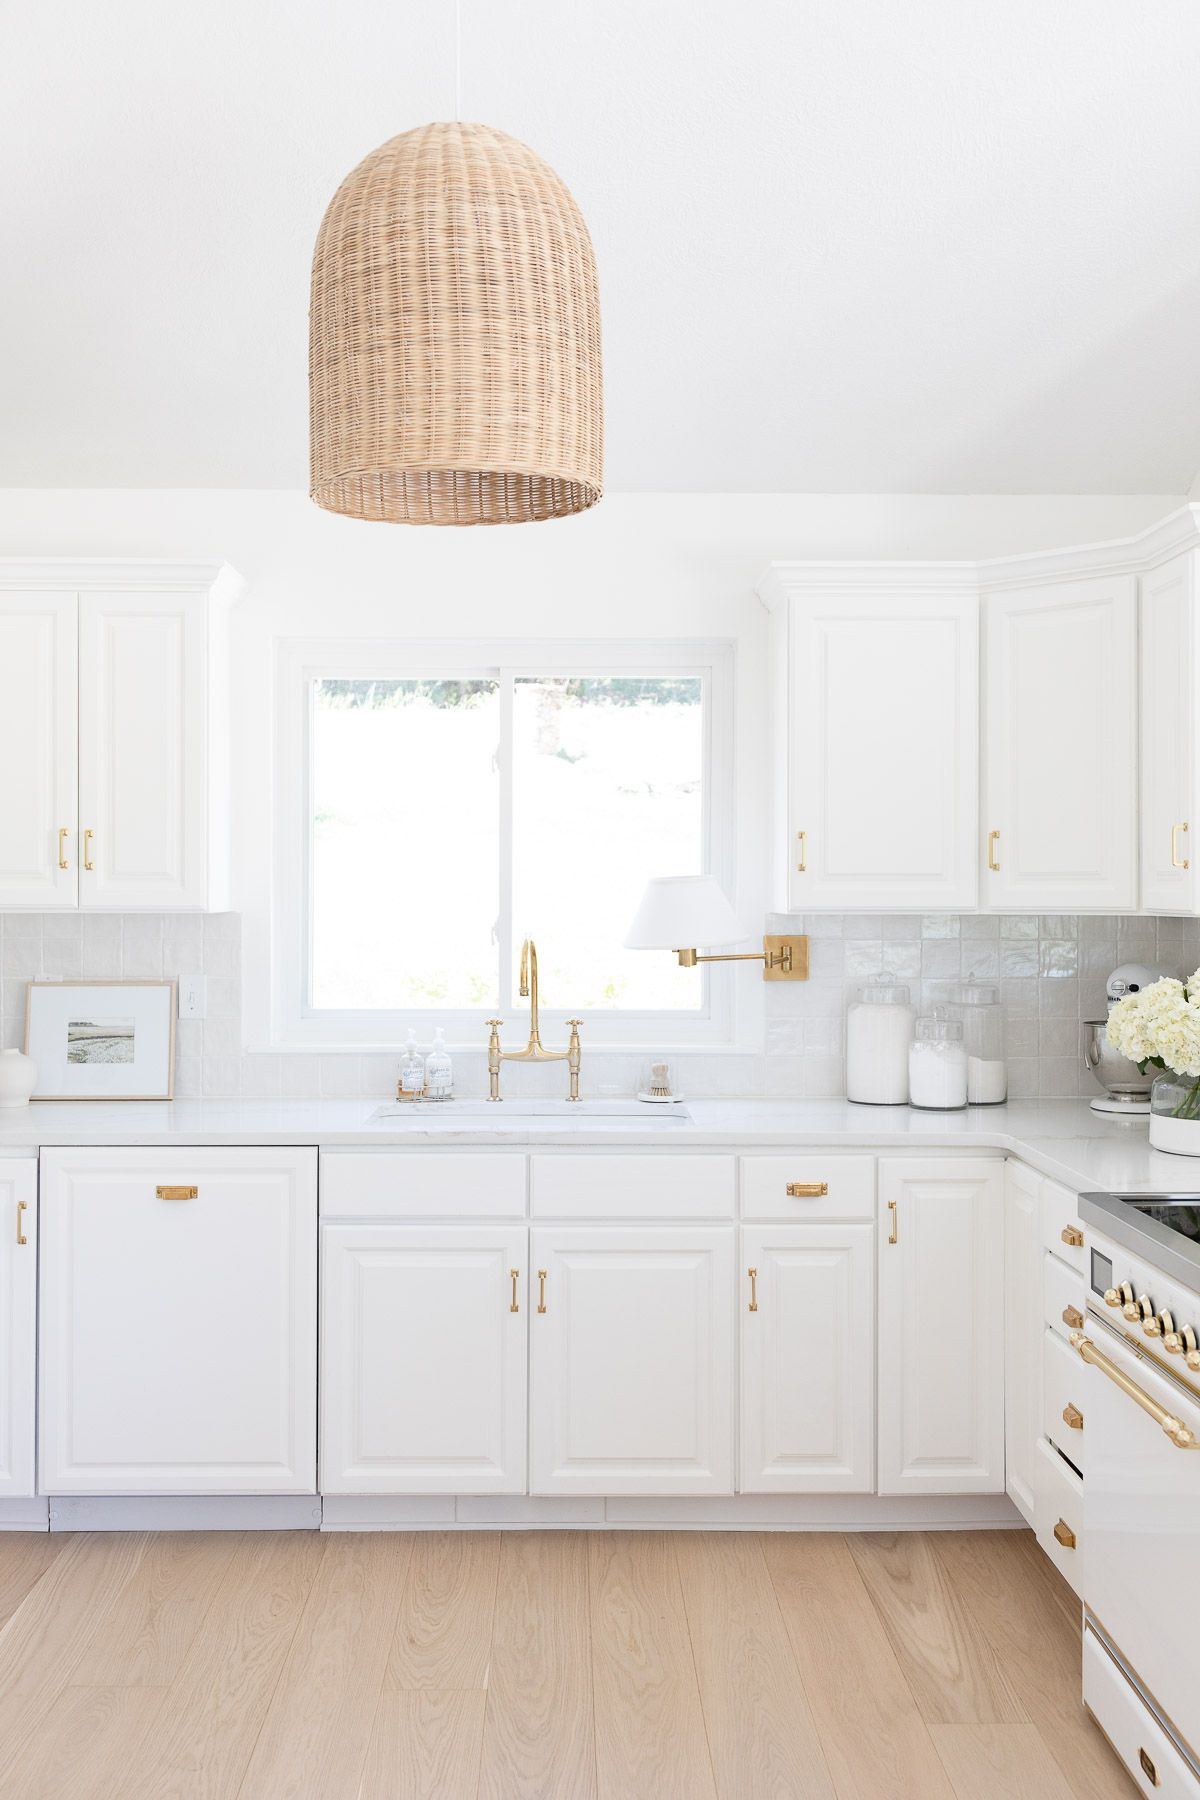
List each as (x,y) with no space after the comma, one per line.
(193,996)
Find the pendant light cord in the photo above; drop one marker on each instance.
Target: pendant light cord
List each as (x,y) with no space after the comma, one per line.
(457,61)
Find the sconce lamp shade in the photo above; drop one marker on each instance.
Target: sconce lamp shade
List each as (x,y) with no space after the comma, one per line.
(679,912)
(454,337)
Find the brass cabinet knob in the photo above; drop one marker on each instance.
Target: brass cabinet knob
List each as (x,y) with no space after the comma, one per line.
(1064,1535)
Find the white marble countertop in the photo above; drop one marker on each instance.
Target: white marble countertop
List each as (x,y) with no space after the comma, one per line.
(1061,1138)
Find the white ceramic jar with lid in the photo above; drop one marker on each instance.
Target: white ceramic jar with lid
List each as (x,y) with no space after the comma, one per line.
(976,1006)
(879,1029)
(937,1064)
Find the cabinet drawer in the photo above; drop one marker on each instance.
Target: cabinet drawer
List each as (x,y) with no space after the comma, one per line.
(1060,1510)
(1064,1296)
(374,1184)
(632,1187)
(1062,1232)
(1130,1727)
(1062,1399)
(808,1187)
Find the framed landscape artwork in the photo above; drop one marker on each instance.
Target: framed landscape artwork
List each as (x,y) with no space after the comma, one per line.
(101,1040)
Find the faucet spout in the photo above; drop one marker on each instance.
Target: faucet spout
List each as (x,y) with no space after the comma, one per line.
(534,1050)
(529,990)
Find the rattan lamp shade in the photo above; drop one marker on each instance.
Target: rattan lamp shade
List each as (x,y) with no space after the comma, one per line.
(454,347)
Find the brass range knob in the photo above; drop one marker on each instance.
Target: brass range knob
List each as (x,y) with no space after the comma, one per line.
(1150,1320)
(1190,1348)
(1112,1297)
(1129,1305)
(1172,1343)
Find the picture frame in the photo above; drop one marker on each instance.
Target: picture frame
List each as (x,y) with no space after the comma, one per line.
(102,1040)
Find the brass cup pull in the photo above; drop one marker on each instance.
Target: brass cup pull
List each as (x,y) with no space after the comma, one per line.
(894,1233)
(87,849)
(807,1190)
(1148,1768)
(993,840)
(1071,1234)
(802,859)
(1177,861)
(22,1209)
(512,1305)
(541,1290)
(753,1274)
(1064,1535)
(63,834)
(177,1193)
(1072,1417)
(1073,1317)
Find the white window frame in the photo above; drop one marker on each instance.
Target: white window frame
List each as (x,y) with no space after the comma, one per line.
(300,662)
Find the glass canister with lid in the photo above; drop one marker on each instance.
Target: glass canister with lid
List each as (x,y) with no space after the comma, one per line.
(879,1029)
(937,1063)
(976,1006)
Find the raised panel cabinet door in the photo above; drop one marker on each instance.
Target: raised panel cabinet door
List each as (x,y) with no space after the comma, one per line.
(631,1360)
(1022,1334)
(807,1313)
(142,728)
(941,1326)
(1170,693)
(178,1321)
(1061,758)
(884,731)
(424,1334)
(18,1326)
(39,851)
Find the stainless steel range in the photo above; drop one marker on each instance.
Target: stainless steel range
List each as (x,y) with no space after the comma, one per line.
(1141,1345)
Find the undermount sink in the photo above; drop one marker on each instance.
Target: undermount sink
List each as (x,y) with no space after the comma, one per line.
(499,1111)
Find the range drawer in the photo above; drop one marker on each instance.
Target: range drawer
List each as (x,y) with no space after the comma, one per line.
(1064,1296)
(632,1187)
(1059,1513)
(395,1184)
(1062,1231)
(808,1187)
(1062,1397)
(1131,1728)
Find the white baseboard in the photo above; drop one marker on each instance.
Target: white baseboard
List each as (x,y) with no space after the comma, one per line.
(737,1512)
(24,1515)
(185,1512)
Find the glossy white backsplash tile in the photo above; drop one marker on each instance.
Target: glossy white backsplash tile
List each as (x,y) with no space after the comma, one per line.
(1051,970)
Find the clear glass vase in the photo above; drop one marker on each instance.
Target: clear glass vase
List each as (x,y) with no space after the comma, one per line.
(1175,1114)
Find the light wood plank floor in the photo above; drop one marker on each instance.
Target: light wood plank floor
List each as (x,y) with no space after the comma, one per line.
(555,1665)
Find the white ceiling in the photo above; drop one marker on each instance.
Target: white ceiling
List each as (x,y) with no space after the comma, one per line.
(844,245)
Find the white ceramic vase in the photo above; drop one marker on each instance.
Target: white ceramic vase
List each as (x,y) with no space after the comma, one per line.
(18,1074)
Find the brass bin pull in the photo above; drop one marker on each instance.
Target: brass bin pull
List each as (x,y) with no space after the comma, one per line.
(1073,1317)
(1071,1234)
(1178,1433)
(807,1190)
(894,1233)
(177,1193)
(87,849)
(1064,1535)
(753,1274)
(1148,1768)
(541,1290)
(512,1305)
(22,1208)
(993,840)
(1177,861)
(1072,1417)
(63,834)
(802,864)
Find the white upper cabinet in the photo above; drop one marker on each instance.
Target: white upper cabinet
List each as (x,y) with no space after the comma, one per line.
(1170,684)
(877,742)
(1061,747)
(114,696)
(38,755)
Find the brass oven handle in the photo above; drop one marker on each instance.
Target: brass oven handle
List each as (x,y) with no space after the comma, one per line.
(512,1305)
(807,1190)
(1177,861)
(1179,1434)
(63,834)
(993,840)
(894,1234)
(22,1208)
(753,1274)
(802,864)
(541,1290)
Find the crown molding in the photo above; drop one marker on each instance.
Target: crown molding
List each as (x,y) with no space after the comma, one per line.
(134,574)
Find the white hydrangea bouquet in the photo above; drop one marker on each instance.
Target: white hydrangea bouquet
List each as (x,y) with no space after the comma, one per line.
(1159,1027)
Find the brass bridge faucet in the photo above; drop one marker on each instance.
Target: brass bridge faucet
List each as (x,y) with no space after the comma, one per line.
(533,1051)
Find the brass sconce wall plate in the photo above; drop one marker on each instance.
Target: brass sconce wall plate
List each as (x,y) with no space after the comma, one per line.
(786,959)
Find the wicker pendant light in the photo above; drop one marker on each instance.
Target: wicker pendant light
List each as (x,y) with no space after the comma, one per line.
(454,346)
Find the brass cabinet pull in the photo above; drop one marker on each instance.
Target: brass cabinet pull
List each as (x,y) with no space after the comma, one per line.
(1177,861)
(1148,1768)
(22,1208)
(894,1234)
(87,849)
(807,1190)
(177,1193)
(541,1290)
(753,1274)
(993,840)
(802,864)
(1072,1317)
(1177,1432)
(1071,1234)
(512,1305)
(1072,1417)
(1065,1535)
(63,834)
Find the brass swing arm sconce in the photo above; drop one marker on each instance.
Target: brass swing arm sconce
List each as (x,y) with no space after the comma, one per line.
(783,958)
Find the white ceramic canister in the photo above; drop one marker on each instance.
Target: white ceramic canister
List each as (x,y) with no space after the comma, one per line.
(879,1029)
(18,1077)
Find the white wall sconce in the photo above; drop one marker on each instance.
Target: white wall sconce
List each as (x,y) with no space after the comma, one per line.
(686,910)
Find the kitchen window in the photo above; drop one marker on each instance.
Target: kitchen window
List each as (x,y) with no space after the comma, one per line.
(438,804)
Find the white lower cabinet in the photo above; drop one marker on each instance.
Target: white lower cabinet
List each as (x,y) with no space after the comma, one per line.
(1022,1335)
(178,1321)
(423,1375)
(808,1359)
(941,1325)
(631,1360)
(18,1326)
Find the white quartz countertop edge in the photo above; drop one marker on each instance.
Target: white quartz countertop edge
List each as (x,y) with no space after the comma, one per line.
(1060,1138)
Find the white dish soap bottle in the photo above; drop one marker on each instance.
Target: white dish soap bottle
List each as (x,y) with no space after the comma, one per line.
(439,1074)
(412,1068)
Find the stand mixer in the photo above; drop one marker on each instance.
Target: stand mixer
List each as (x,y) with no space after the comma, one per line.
(1128,1089)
